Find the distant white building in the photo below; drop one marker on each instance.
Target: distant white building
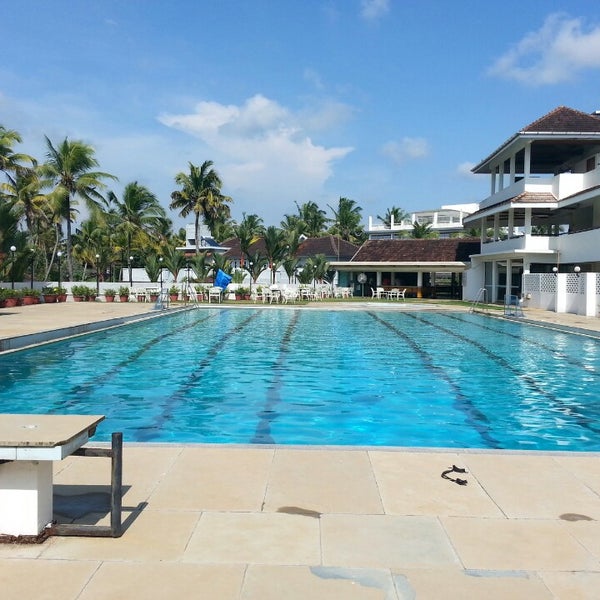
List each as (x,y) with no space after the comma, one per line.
(206,242)
(446,221)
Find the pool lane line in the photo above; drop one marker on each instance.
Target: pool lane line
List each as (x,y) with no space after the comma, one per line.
(268,413)
(182,392)
(86,388)
(474,416)
(567,359)
(565,410)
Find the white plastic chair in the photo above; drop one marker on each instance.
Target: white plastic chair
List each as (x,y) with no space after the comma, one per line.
(215,293)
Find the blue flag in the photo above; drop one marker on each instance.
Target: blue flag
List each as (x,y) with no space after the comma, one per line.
(222,280)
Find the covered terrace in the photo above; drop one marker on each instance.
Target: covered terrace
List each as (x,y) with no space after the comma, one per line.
(426,268)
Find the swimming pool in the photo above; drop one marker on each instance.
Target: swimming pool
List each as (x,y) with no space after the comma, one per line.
(294,376)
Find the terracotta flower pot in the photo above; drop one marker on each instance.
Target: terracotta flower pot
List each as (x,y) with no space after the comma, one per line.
(11,302)
(109,298)
(123,298)
(28,300)
(50,298)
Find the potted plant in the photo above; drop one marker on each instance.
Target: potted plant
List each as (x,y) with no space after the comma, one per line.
(61,294)
(109,295)
(123,293)
(30,296)
(173,293)
(79,293)
(49,294)
(11,298)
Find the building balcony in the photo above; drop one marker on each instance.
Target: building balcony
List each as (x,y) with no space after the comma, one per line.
(536,244)
(561,186)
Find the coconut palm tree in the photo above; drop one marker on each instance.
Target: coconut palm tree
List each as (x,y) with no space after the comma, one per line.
(200,194)
(275,248)
(69,168)
(139,214)
(248,232)
(346,221)
(313,219)
(23,191)
(398,215)
(10,162)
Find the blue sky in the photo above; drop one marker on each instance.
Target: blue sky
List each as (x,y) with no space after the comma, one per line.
(387,102)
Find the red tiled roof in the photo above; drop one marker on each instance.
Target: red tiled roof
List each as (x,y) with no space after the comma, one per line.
(564,120)
(330,245)
(418,250)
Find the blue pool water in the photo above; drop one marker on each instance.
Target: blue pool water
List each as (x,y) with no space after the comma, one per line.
(321,377)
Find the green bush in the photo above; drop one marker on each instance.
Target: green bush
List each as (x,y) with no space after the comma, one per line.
(110,292)
(123,291)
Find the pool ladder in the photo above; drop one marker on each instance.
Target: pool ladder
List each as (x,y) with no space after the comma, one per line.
(479,301)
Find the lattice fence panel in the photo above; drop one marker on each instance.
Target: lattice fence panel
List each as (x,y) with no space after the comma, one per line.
(548,283)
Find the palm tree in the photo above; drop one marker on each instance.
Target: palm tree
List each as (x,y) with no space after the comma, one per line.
(200,194)
(275,248)
(313,219)
(174,261)
(346,222)
(139,214)
(23,192)
(248,232)
(9,161)
(398,215)
(423,231)
(69,167)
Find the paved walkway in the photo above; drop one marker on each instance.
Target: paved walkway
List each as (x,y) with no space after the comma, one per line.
(274,523)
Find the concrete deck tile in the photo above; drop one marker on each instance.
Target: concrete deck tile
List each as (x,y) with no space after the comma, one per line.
(215,479)
(585,468)
(573,586)
(411,484)
(588,533)
(255,538)
(457,584)
(44,579)
(265,582)
(517,544)
(532,486)
(153,536)
(341,482)
(385,541)
(164,581)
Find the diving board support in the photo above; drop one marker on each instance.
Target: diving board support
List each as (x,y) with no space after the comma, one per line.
(115,453)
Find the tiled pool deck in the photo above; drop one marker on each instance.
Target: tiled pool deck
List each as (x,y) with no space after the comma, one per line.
(287,523)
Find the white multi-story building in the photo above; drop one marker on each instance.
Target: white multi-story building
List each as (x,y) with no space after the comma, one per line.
(445,221)
(540,225)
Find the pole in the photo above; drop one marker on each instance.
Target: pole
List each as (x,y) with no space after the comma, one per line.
(130,272)
(97,275)
(13,249)
(59,254)
(32,266)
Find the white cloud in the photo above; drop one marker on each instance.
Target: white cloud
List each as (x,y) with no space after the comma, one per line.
(372,10)
(262,150)
(559,50)
(407,149)
(464,169)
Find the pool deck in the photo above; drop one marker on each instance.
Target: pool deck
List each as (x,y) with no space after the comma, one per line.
(273,523)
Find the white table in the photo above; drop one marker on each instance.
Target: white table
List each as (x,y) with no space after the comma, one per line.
(28,445)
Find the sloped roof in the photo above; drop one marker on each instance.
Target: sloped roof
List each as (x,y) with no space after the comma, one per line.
(329,245)
(564,120)
(558,136)
(418,250)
